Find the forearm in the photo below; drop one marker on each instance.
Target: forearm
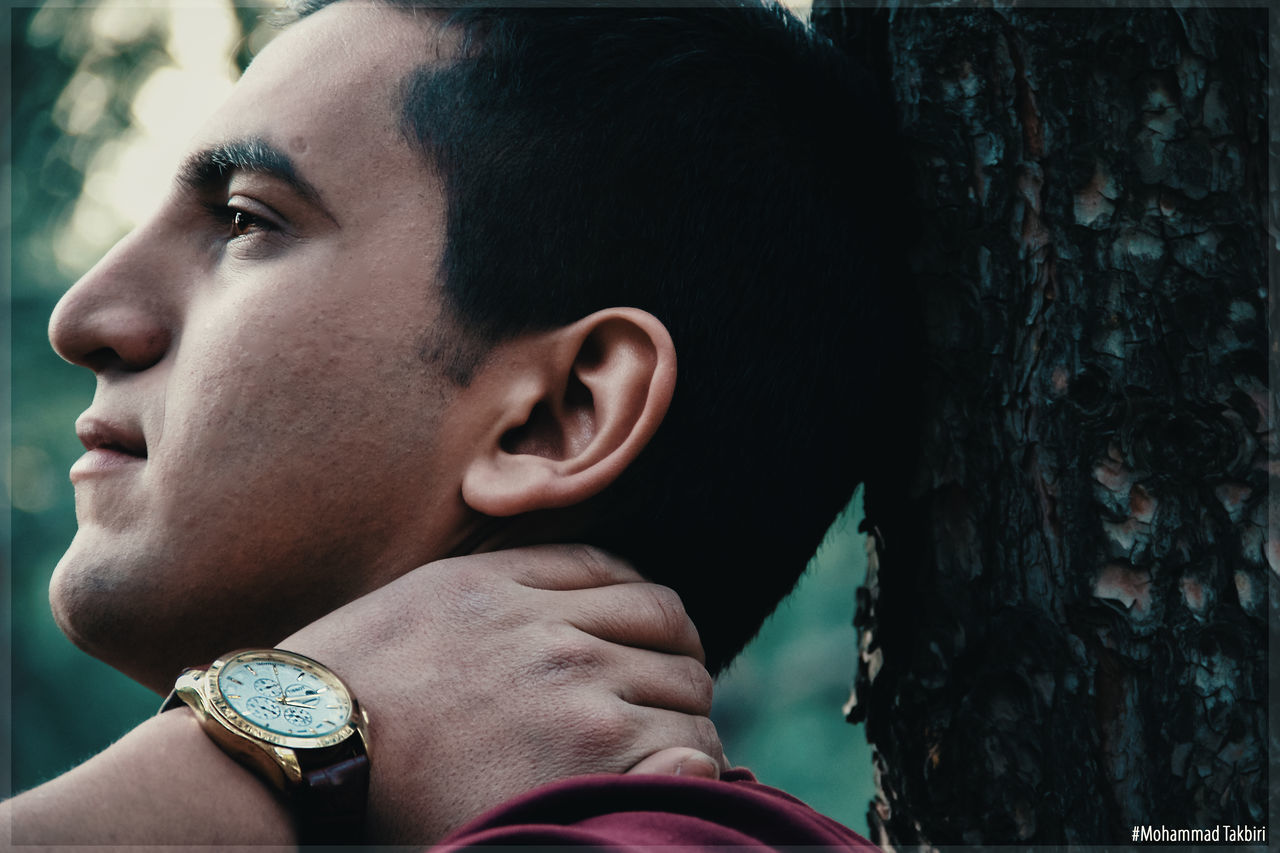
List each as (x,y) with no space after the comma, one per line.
(572,665)
(165,782)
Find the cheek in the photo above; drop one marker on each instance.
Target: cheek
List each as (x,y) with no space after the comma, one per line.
(300,398)
(254,378)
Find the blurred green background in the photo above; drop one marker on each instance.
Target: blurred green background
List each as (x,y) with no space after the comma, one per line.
(103,98)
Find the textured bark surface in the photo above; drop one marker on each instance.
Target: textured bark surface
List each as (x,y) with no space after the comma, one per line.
(1064,633)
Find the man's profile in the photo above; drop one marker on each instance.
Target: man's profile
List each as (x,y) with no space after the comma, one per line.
(439,283)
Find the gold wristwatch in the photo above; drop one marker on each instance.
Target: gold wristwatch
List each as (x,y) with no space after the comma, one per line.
(294,723)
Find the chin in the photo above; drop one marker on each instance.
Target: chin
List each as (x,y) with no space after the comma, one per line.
(75,598)
(148,622)
(97,612)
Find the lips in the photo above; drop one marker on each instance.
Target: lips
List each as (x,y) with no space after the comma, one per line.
(98,434)
(109,446)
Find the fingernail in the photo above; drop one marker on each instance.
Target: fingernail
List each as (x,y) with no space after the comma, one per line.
(702,766)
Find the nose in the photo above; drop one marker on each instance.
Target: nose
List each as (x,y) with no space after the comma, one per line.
(114,318)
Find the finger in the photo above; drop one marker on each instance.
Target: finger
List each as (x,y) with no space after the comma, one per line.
(643,615)
(678,761)
(659,729)
(658,680)
(570,659)
(550,567)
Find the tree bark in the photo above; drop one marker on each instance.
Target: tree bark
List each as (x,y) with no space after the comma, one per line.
(1064,631)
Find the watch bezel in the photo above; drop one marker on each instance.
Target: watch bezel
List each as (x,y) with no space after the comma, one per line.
(219,705)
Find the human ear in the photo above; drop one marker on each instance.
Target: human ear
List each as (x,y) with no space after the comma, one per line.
(572,408)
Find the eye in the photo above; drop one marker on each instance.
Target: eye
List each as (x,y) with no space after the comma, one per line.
(245,225)
(242,223)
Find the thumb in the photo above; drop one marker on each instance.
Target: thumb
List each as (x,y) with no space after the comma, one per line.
(678,761)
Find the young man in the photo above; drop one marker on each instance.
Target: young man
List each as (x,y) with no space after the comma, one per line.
(419,292)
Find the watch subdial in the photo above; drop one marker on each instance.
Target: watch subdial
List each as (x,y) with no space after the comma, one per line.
(263,708)
(298,716)
(301,694)
(267,686)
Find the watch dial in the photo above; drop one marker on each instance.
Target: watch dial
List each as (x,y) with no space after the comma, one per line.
(284,698)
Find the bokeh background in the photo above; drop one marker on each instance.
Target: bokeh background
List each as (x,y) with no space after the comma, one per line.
(103,98)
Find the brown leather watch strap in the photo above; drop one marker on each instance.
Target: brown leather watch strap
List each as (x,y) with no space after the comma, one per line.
(173,700)
(329,804)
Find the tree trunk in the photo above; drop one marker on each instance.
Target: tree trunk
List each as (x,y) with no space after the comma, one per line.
(1064,631)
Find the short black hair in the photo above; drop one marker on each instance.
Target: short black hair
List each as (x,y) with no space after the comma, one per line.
(731,172)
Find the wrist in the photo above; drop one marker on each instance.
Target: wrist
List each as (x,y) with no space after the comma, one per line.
(214,789)
(162,783)
(292,723)
(404,798)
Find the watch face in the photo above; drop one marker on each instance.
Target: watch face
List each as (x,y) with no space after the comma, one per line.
(284,694)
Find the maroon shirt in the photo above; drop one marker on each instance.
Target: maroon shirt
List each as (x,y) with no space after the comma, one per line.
(620,812)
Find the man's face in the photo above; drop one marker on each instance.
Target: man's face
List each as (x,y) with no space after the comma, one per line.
(269,443)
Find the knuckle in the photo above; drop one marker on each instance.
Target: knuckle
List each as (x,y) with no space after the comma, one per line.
(601,567)
(669,610)
(570,657)
(701,685)
(600,730)
(707,739)
(608,727)
(593,563)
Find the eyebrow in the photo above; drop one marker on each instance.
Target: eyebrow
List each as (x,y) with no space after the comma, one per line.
(211,167)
